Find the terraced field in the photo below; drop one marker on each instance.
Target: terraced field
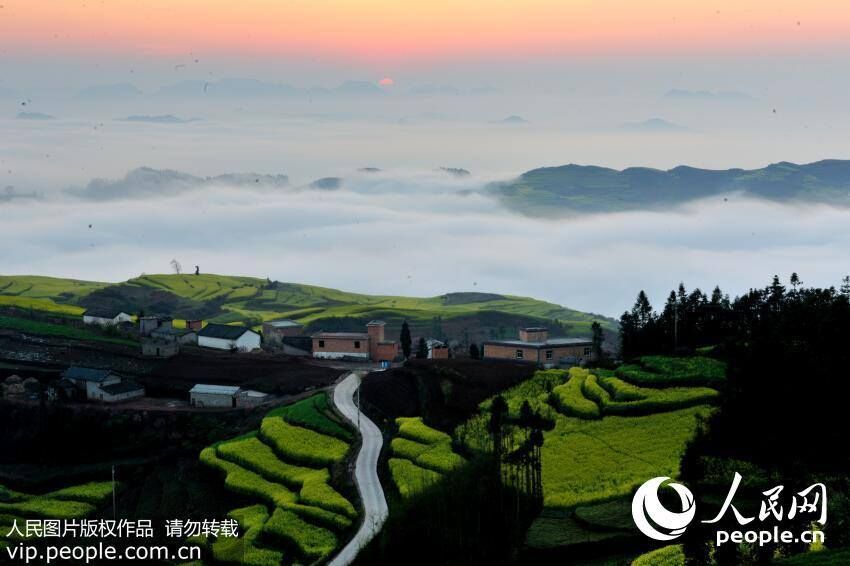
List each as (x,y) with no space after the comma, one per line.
(420,456)
(284,469)
(607,436)
(73,502)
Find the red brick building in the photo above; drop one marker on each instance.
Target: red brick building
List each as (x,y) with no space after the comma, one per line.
(535,346)
(276,330)
(437,350)
(371,345)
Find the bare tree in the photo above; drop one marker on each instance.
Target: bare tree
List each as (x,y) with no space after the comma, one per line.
(175,265)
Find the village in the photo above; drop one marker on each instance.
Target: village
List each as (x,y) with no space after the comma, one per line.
(167,369)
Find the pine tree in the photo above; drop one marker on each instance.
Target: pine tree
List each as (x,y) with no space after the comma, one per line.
(598,338)
(421,349)
(473,351)
(405,339)
(795,281)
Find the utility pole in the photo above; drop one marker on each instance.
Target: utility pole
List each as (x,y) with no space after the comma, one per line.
(114,511)
(675,328)
(358,404)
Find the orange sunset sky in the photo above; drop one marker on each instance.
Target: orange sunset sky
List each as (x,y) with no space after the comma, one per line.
(386,30)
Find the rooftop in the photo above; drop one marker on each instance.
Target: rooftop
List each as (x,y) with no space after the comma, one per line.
(348,335)
(284,323)
(104,313)
(121,387)
(377,323)
(172,331)
(77,373)
(215,389)
(552,342)
(536,329)
(224,331)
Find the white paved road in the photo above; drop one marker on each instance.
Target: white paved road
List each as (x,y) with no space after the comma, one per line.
(365,471)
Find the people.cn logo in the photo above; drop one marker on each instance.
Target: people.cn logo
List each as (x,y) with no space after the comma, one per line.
(653,519)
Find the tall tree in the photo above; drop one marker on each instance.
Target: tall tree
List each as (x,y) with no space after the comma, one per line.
(795,281)
(598,338)
(405,339)
(421,349)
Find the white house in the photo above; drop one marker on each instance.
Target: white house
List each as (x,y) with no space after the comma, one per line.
(121,391)
(105,317)
(227,337)
(102,384)
(202,395)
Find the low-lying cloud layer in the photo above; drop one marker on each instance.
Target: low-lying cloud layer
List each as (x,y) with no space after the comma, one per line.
(421,234)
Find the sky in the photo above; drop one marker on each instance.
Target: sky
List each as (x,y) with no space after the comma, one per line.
(734,84)
(384,31)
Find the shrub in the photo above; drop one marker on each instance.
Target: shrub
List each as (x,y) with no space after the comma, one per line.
(615,514)
(323,517)
(242,481)
(660,400)
(316,491)
(672,555)
(414,429)
(312,542)
(48,508)
(96,493)
(313,484)
(404,448)
(692,369)
(440,459)
(241,550)
(593,391)
(536,391)
(313,413)
(569,399)
(658,371)
(409,478)
(437,455)
(620,390)
(301,445)
(251,453)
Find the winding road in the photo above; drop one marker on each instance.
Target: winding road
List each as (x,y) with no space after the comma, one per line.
(365,471)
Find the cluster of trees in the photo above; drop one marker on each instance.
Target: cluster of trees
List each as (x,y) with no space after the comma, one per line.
(690,320)
(783,408)
(687,321)
(518,456)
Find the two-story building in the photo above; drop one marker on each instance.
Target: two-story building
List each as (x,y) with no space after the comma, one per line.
(535,346)
(371,345)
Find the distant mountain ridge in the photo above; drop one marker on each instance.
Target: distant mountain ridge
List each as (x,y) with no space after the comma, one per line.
(553,191)
(144,182)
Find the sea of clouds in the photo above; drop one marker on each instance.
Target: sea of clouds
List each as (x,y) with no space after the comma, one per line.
(414,233)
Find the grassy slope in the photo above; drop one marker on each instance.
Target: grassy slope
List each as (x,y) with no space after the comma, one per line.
(59,331)
(247,298)
(592,459)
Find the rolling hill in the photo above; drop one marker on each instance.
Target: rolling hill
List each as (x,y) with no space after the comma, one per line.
(248,300)
(554,191)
